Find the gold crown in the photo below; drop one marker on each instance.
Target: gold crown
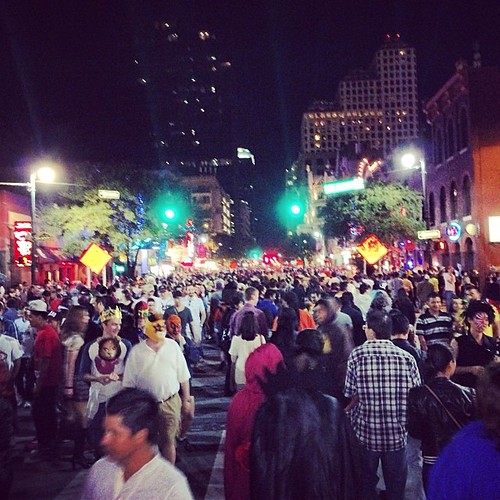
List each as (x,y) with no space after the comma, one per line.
(110,313)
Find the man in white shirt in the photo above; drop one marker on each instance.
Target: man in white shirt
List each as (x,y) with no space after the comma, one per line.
(158,366)
(132,468)
(197,308)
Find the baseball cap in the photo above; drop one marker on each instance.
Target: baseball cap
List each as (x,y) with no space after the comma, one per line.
(38,306)
(162,288)
(177,293)
(54,315)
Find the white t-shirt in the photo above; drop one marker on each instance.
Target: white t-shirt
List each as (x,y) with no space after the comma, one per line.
(241,349)
(11,348)
(159,372)
(156,480)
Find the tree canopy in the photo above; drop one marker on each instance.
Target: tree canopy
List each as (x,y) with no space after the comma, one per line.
(391,211)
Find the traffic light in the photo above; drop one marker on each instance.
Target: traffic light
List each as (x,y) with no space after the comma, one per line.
(292,209)
(170,213)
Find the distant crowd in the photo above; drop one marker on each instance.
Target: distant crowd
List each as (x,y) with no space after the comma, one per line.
(381,369)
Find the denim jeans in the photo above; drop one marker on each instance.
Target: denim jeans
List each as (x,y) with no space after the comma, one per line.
(394,468)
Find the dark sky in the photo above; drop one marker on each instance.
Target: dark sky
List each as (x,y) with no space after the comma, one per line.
(61,62)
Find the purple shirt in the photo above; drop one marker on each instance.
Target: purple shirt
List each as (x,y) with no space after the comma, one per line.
(234,326)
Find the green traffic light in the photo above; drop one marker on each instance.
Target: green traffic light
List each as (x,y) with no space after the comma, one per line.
(169,214)
(295,209)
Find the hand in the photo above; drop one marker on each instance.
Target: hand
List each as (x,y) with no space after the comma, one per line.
(477,370)
(103,379)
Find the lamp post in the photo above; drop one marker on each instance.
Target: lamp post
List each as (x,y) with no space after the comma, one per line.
(44,174)
(412,160)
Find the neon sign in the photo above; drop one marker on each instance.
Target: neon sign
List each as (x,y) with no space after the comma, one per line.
(23,245)
(453,231)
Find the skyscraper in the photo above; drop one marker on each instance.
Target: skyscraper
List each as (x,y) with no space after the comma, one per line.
(374,111)
(186,81)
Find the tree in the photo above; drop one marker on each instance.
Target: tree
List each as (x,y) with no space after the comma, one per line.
(391,211)
(301,246)
(80,217)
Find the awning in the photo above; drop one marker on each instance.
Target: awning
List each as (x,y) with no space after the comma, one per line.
(50,255)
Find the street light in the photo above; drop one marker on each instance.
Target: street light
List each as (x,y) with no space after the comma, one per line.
(416,160)
(44,174)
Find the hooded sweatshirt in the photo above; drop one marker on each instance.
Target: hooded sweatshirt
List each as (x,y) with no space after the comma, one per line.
(240,420)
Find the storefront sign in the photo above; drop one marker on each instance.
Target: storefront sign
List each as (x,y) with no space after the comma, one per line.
(429,234)
(23,245)
(494,228)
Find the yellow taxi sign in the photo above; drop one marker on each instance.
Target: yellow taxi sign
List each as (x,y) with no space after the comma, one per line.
(372,249)
(95,258)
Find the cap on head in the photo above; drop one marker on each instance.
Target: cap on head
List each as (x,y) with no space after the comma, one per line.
(39,306)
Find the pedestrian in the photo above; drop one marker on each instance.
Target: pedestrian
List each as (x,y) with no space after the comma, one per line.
(261,363)
(434,325)
(132,468)
(243,343)
(158,366)
(475,350)
(379,377)
(47,357)
(103,374)
(439,409)
(469,466)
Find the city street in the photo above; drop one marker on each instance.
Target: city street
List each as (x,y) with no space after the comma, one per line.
(201,460)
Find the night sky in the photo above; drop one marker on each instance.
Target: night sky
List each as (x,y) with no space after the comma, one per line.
(64,70)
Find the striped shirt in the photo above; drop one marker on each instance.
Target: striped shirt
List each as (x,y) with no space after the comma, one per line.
(435,329)
(382,375)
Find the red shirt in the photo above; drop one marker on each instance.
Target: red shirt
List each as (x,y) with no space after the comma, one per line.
(48,346)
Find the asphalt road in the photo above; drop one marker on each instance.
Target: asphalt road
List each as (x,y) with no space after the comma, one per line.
(201,459)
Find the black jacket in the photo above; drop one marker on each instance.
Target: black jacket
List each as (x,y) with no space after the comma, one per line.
(428,420)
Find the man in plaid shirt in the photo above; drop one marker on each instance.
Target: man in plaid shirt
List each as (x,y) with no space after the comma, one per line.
(379,377)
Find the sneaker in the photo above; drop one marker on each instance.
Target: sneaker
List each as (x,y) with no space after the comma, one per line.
(26,404)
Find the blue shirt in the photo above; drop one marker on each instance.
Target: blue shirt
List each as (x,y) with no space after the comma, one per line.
(469,467)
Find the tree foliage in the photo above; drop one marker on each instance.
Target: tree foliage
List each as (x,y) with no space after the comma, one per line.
(391,211)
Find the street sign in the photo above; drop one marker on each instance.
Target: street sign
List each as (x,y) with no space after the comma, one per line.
(108,194)
(95,258)
(343,186)
(429,234)
(372,249)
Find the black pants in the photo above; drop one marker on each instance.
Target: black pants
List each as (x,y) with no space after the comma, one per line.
(25,379)
(45,417)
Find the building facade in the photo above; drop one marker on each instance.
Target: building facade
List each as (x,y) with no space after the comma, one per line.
(213,204)
(375,111)
(464,171)
(186,82)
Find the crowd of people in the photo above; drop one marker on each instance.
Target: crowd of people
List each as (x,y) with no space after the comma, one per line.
(356,362)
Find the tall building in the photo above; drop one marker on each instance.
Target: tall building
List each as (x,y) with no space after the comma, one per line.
(375,110)
(212,203)
(186,80)
(463,173)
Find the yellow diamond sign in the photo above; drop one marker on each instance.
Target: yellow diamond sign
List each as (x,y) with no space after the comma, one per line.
(372,249)
(95,257)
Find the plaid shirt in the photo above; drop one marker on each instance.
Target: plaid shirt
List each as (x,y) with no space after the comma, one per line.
(381,374)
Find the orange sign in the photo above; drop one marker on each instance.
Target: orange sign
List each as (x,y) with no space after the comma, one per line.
(95,258)
(372,249)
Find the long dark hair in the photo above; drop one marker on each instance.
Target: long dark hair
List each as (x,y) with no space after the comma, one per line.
(295,462)
(248,326)
(438,358)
